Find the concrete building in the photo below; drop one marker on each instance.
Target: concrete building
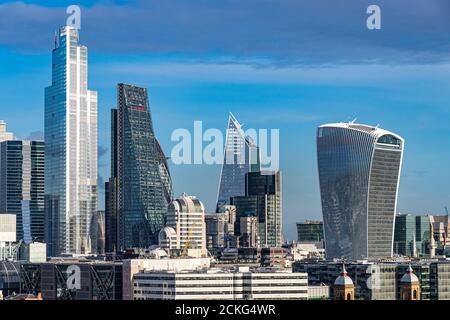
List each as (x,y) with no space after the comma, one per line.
(249,232)
(35,252)
(359,172)
(185,229)
(221,284)
(220,229)
(382,280)
(134,266)
(5,135)
(8,237)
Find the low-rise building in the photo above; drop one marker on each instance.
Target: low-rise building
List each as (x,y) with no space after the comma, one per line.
(220,284)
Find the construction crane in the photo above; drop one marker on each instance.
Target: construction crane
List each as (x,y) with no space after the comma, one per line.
(188,241)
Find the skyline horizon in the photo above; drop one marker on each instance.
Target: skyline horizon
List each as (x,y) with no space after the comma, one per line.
(263,89)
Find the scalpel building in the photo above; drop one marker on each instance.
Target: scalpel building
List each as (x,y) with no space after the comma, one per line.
(359,171)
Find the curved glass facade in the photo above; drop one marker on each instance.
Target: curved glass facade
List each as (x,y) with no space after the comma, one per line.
(359,168)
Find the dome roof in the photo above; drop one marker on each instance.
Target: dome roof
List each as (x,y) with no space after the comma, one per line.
(409,276)
(343,279)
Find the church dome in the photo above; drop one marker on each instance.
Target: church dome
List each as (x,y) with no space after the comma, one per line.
(343,279)
(409,276)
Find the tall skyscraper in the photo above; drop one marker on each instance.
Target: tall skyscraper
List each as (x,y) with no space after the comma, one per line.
(22,186)
(359,172)
(71,148)
(111,244)
(263,199)
(241,156)
(144,186)
(5,135)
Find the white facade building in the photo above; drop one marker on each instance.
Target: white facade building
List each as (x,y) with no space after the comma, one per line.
(185,227)
(221,284)
(7,236)
(134,266)
(4,135)
(71,148)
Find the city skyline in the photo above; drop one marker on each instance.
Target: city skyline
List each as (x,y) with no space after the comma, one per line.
(261,92)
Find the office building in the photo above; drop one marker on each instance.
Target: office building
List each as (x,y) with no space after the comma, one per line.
(262,200)
(8,237)
(144,187)
(5,135)
(111,224)
(241,156)
(220,229)
(359,173)
(10,278)
(412,236)
(381,280)
(159,262)
(221,284)
(22,186)
(249,236)
(73,279)
(71,140)
(310,231)
(185,229)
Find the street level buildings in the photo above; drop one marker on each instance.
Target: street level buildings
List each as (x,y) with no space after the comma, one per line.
(221,284)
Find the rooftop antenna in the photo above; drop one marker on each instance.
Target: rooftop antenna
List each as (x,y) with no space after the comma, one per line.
(377,126)
(353,121)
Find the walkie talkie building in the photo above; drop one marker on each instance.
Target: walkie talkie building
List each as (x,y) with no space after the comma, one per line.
(359,171)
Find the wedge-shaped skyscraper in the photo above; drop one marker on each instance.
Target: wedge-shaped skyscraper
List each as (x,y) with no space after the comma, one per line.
(144,186)
(359,172)
(240,157)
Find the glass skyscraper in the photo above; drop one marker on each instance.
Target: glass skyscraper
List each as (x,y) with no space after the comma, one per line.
(22,186)
(412,237)
(144,186)
(241,156)
(71,148)
(359,172)
(263,199)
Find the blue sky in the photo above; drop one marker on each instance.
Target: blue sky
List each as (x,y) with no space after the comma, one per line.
(285,64)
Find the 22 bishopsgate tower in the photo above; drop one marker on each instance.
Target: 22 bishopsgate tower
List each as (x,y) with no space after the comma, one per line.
(359,171)
(71,148)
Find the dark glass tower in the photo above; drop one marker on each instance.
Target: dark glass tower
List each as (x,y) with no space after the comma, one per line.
(144,187)
(22,186)
(359,172)
(263,200)
(111,192)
